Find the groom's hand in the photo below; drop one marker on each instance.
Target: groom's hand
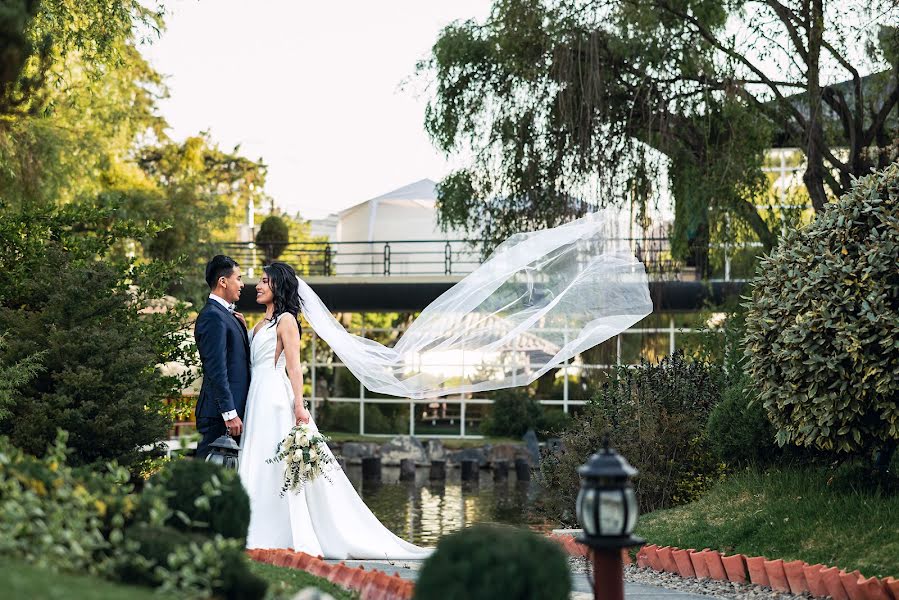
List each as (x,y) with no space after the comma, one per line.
(235,426)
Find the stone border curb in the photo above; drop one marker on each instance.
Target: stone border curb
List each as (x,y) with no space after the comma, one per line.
(796,577)
(574,549)
(370,584)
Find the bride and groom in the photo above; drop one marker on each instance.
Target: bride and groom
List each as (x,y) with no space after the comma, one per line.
(560,290)
(253,388)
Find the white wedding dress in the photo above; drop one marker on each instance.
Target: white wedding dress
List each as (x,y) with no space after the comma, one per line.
(327,518)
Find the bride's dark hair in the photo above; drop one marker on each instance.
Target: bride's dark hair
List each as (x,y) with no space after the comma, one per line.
(283,281)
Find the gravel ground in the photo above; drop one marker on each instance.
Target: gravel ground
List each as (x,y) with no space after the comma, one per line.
(707,587)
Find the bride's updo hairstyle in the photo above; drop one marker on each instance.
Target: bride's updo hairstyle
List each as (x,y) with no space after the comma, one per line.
(283,281)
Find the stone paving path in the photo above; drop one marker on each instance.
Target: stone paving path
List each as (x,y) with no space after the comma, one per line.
(408,569)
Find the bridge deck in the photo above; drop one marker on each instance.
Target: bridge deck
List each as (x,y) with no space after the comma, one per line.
(410,294)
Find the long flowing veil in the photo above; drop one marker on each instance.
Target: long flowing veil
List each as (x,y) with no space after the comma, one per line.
(537,301)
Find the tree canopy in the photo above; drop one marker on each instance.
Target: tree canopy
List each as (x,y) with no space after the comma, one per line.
(561,106)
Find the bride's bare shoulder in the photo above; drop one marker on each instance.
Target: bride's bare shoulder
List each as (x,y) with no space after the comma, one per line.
(287,323)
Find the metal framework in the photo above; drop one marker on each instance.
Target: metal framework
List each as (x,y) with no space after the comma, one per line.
(463,401)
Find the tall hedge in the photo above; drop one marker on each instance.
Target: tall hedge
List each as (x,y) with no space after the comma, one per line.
(822,337)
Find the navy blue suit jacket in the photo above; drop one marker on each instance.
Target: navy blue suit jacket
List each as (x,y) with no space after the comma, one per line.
(225,354)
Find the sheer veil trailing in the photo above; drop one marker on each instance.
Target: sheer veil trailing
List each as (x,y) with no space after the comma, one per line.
(537,301)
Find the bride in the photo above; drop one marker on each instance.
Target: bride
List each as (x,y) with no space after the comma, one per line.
(327,518)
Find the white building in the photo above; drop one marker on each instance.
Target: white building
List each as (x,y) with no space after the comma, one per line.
(407,214)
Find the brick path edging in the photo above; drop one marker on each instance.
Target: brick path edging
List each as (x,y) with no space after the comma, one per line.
(796,577)
(371,584)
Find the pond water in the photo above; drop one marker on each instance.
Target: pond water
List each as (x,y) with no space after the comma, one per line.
(422,511)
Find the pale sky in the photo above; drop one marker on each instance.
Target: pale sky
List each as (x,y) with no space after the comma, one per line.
(312,88)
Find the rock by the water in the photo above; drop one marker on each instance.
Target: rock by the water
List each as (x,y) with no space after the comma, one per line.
(530,440)
(435,449)
(478,454)
(400,447)
(507,452)
(354,452)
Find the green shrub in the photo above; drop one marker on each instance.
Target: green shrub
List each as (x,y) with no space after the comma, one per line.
(552,422)
(189,564)
(272,237)
(151,548)
(655,415)
(98,353)
(738,429)
(514,412)
(822,335)
(494,561)
(52,517)
(204,497)
(339,416)
(386,418)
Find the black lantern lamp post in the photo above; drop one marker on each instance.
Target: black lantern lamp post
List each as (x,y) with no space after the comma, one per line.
(224,452)
(607,512)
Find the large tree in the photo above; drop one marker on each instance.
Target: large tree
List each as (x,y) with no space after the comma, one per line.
(561,106)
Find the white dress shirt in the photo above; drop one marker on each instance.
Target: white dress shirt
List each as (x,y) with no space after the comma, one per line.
(231,414)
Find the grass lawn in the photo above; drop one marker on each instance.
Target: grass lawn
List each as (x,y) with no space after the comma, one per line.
(448,443)
(790,514)
(285,582)
(21,580)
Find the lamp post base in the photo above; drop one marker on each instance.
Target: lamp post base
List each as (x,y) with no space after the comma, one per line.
(608,574)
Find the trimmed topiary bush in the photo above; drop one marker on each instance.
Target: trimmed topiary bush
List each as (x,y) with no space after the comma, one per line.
(205,497)
(272,237)
(494,561)
(822,335)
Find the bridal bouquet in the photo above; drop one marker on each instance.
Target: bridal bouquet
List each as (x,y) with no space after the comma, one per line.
(305,455)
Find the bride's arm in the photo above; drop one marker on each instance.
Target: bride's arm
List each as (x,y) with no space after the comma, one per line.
(289,332)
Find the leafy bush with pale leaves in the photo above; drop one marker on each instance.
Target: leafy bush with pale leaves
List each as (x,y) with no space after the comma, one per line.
(822,335)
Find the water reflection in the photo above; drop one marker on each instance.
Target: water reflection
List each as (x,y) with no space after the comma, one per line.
(422,511)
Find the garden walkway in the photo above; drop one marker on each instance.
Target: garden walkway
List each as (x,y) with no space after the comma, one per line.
(408,569)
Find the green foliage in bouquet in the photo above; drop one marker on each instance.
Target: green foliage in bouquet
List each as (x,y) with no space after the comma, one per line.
(203,497)
(304,452)
(494,561)
(822,335)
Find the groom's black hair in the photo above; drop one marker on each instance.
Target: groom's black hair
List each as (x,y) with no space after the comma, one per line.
(219,266)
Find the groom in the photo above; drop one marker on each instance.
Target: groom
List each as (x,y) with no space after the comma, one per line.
(221,335)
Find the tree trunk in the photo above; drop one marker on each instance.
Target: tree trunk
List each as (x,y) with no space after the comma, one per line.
(814,173)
